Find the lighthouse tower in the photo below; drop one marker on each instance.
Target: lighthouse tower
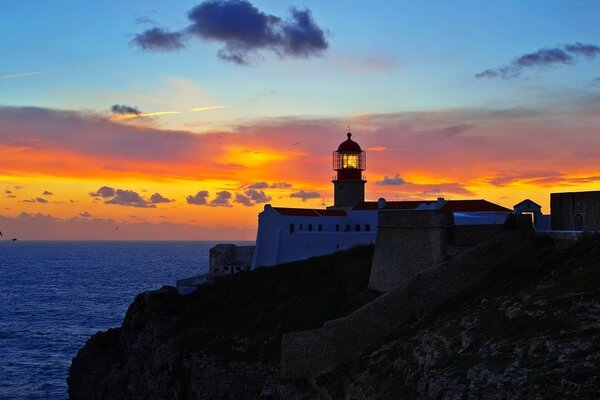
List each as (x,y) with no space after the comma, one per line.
(349,161)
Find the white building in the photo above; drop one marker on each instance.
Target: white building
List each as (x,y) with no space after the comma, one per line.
(290,234)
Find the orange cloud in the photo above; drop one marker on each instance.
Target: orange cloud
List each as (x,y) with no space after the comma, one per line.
(503,156)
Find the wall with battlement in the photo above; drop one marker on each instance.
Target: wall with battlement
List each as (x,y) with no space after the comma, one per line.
(309,353)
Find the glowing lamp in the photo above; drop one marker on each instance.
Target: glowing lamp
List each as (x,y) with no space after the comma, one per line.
(349,160)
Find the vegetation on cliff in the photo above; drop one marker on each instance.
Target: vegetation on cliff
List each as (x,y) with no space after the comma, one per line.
(531,331)
(224,341)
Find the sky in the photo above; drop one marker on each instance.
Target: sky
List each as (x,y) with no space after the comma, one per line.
(180,120)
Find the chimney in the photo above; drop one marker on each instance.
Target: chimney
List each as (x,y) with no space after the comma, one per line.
(381,203)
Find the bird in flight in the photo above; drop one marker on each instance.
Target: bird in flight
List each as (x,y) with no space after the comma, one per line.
(116,228)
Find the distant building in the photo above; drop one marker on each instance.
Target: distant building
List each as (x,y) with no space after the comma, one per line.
(575,211)
(528,207)
(290,234)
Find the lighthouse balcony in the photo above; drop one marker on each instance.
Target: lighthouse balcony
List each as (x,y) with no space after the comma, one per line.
(341,177)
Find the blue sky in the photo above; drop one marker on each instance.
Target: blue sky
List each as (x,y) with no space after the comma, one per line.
(429,52)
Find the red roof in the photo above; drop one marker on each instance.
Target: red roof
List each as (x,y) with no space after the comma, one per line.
(450,205)
(473,205)
(349,145)
(390,205)
(331,213)
(309,212)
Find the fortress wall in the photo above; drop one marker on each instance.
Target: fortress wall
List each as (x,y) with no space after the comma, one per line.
(309,353)
(471,235)
(407,243)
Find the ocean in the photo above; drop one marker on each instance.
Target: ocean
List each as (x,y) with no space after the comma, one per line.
(55,295)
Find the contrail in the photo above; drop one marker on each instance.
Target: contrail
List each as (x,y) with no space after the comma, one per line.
(209,108)
(51,71)
(124,117)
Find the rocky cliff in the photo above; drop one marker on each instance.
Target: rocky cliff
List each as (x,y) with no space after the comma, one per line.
(224,341)
(532,330)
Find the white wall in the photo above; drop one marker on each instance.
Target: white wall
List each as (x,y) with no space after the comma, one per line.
(275,244)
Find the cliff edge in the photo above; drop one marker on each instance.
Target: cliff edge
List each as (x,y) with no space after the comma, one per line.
(531,329)
(224,341)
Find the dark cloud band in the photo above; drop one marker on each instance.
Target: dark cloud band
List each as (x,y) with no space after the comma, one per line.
(566,55)
(243,30)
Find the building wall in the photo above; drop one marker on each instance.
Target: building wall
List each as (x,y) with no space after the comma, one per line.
(229,258)
(408,242)
(276,243)
(566,208)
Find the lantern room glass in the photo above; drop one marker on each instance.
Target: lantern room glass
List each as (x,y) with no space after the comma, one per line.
(349,160)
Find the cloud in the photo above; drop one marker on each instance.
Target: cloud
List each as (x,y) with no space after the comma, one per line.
(145,20)
(158,39)
(545,57)
(596,81)
(265,185)
(243,30)
(157,198)
(243,199)
(85,214)
(396,180)
(586,50)
(222,199)
(281,185)
(259,185)
(7,191)
(305,195)
(257,196)
(121,109)
(198,199)
(47,193)
(36,200)
(129,198)
(104,191)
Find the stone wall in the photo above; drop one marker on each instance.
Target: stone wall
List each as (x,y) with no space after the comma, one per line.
(471,235)
(566,208)
(309,353)
(408,242)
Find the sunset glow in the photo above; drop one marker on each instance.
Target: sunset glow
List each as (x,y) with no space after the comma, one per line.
(259,128)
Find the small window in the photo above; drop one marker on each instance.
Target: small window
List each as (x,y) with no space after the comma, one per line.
(357,227)
(320,227)
(347,227)
(310,227)
(337,227)
(238,269)
(291,228)
(367,227)
(226,268)
(299,227)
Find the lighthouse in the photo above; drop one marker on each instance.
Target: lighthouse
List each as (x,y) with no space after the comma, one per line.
(349,161)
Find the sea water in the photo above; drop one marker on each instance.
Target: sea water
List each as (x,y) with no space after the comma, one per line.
(55,295)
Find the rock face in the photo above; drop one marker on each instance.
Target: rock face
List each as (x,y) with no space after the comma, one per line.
(223,342)
(530,331)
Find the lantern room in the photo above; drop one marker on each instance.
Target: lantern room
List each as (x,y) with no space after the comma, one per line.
(349,160)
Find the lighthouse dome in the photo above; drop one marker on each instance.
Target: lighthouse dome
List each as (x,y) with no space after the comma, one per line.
(349,145)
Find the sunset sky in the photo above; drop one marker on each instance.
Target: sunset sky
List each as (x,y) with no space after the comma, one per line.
(147,119)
